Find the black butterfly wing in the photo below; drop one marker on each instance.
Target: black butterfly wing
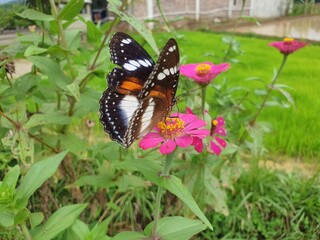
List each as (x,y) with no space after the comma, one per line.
(119,102)
(130,56)
(157,95)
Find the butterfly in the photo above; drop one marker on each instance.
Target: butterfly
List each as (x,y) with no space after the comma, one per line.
(140,92)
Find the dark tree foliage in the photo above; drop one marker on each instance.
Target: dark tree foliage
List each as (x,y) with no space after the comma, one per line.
(40,5)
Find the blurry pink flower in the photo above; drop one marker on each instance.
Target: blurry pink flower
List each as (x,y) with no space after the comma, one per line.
(203,73)
(216,143)
(288,45)
(178,130)
(217,129)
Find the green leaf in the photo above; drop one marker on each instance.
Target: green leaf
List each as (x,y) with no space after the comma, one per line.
(134,22)
(88,102)
(33,50)
(51,69)
(129,236)
(80,229)
(74,90)
(57,117)
(6,218)
(99,230)
(35,15)
(177,228)
(73,143)
(101,180)
(21,145)
(173,184)
(94,35)
(70,10)
(36,219)
(286,94)
(11,178)
(126,182)
(73,39)
(21,216)
(57,222)
(36,176)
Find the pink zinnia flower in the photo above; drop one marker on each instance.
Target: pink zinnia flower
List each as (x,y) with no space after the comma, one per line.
(203,73)
(216,142)
(288,45)
(179,130)
(217,129)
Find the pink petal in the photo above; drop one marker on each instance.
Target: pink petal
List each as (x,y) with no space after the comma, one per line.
(221,141)
(215,148)
(198,144)
(167,147)
(187,118)
(220,131)
(184,141)
(220,121)
(189,111)
(287,48)
(151,140)
(201,133)
(195,124)
(188,70)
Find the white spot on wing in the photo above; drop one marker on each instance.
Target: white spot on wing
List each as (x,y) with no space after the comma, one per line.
(161,76)
(126,41)
(143,63)
(148,62)
(129,67)
(134,63)
(128,106)
(147,115)
(166,72)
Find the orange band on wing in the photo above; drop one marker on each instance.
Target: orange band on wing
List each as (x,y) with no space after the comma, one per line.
(130,85)
(158,94)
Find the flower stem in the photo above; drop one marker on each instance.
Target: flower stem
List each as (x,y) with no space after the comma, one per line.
(25,231)
(254,118)
(165,173)
(252,122)
(203,98)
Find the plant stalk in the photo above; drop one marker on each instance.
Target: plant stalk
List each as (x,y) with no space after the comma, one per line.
(165,173)
(25,231)
(203,98)
(254,118)
(63,40)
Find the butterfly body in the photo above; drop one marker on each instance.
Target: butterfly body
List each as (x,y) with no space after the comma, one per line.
(140,92)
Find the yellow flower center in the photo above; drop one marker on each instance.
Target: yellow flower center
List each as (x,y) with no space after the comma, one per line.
(214,122)
(203,69)
(288,40)
(171,127)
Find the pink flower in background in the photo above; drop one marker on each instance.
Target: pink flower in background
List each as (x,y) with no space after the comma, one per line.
(217,129)
(203,73)
(216,142)
(179,130)
(288,45)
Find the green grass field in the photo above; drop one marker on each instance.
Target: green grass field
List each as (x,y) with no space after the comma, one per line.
(295,130)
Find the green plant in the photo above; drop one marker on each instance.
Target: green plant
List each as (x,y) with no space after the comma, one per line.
(269,204)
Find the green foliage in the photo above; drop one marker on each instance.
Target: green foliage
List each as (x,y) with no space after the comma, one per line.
(270,205)
(10,18)
(87,187)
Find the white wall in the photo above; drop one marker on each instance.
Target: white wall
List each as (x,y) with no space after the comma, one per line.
(268,8)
